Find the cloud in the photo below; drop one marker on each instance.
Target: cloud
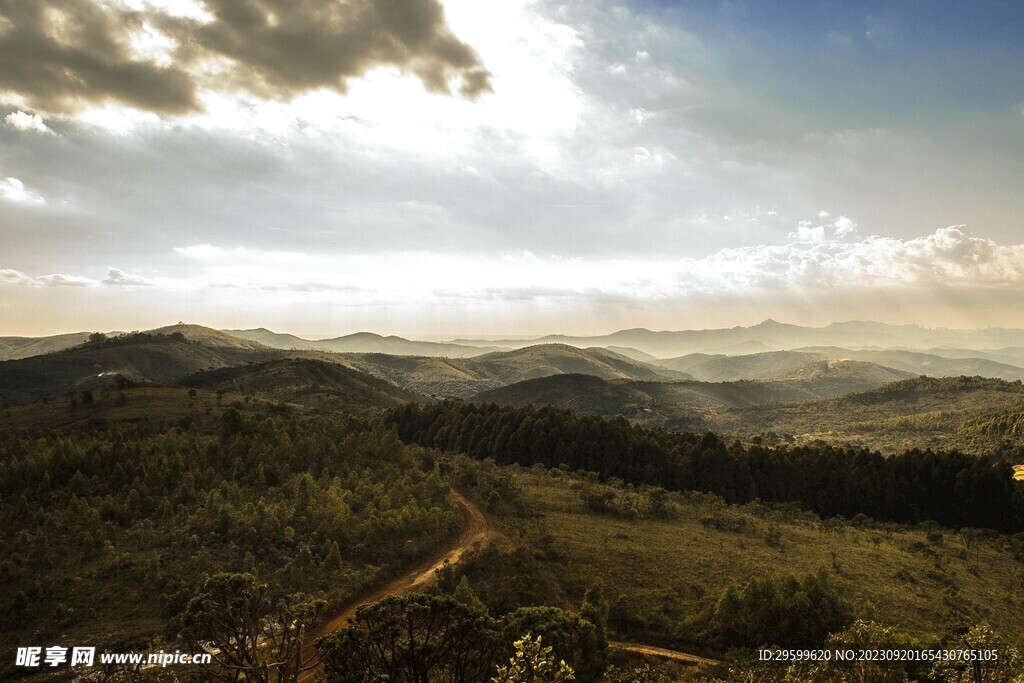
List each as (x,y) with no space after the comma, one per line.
(289,46)
(58,55)
(844,226)
(821,259)
(936,278)
(20,120)
(118,277)
(59,280)
(62,56)
(14,190)
(806,232)
(16,277)
(115,277)
(949,256)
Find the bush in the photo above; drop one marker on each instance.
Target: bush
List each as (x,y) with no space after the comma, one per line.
(785,611)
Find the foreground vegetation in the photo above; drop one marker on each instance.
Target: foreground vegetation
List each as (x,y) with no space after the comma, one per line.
(134,514)
(692,573)
(108,533)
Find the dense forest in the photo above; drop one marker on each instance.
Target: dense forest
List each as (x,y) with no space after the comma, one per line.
(119,526)
(950,488)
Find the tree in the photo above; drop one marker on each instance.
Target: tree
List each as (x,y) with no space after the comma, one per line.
(595,610)
(249,636)
(413,639)
(1008,666)
(533,663)
(573,638)
(786,611)
(863,635)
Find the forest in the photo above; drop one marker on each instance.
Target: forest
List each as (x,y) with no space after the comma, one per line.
(950,488)
(239,530)
(119,526)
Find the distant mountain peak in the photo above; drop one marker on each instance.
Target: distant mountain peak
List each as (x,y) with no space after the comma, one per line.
(771,322)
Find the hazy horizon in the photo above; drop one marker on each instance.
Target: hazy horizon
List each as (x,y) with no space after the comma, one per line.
(495,336)
(514,168)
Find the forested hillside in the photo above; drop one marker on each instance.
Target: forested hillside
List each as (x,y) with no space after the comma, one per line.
(953,489)
(973,414)
(313,383)
(109,533)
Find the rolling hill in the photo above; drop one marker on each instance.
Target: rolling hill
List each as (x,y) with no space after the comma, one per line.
(136,358)
(773,335)
(687,404)
(208,336)
(931,364)
(553,359)
(360,342)
(304,381)
(755,366)
(14,348)
(973,414)
(167,354)
(464,377)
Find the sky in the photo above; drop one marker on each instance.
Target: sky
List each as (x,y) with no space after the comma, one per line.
(511,167)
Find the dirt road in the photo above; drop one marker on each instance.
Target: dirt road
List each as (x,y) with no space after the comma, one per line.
(477,530)
(652,651)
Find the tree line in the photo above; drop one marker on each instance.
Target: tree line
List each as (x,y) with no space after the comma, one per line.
(948,487)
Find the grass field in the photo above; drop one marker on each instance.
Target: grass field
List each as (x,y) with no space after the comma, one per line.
(660,571)
(132,404)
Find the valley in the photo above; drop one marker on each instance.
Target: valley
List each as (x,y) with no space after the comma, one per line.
(887,491)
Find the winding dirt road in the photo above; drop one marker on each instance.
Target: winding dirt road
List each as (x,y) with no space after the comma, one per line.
(477,530)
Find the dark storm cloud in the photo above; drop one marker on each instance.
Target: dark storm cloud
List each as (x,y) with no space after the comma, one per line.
(62,54)
(293,45)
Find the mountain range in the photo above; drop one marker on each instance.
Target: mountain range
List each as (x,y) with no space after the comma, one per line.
(877,397)
(774,336)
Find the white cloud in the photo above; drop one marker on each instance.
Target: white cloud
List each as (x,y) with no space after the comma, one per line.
(118,277)
(816,261)
(14,190)
(115,277)
(60,280)
(806,232)
(13,277)
(20,120)
(943,277)
(844,226)
(947,256)
(16,277)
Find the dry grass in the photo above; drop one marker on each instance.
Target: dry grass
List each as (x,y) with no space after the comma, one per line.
(671,568)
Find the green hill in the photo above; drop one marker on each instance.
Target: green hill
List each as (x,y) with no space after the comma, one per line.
(686,404)
(465,377)
(974,414)
(756,366)
(135,358)
(931,364)
(304,381)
